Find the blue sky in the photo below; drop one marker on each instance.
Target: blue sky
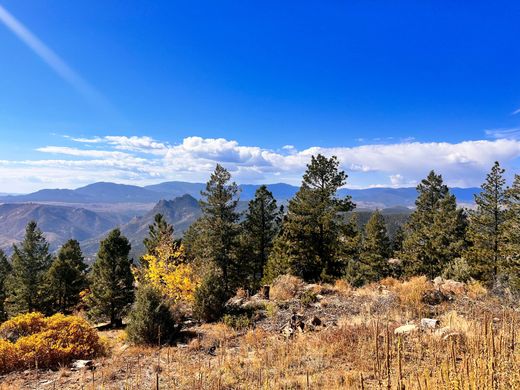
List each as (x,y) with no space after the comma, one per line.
(393,88)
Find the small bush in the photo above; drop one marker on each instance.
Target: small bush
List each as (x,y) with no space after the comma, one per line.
(458,270)
(476,289)
(48,342)
(308,297)
(411,292)
(151,320)
(237,322)
(342,287)
(210,299)
(285,287)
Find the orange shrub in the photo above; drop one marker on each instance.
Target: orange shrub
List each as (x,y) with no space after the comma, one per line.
(59,340)
(22,325)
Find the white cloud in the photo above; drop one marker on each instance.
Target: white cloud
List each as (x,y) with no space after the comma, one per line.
(144,160)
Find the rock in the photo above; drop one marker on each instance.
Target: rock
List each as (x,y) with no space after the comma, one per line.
(319,297)
(449,286)
(429,323)
(235,302)
(434,297)
(81,364)
(405,329)
(287,331)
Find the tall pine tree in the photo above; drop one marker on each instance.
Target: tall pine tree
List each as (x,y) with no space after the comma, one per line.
(260,227)
(486,231)
(219,224)
(313,223)
(111,280)
(30,262)
(5,271)
(376,248)
(66,277)
(434,234)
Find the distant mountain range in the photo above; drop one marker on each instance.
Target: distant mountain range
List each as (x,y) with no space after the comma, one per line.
(88,213)
(103,192)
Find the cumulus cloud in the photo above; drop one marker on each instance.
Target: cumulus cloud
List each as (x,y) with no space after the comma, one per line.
(144,160)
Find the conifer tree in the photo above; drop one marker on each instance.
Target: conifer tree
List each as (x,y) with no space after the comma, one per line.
(376,248)
(351,239)
(159,232)
(151,320)
(66,277)
(30,262)
(111,280)
(486,227)
(433,235)
(219,224)
(260,227)
(313,223)
(511,264)
(5,271)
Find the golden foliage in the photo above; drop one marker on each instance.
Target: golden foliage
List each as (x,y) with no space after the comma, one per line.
(47,342)
(170,274)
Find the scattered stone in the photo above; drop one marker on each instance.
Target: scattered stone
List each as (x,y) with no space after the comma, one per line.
(287,331)
(405,329)
(429,323)
(81,364)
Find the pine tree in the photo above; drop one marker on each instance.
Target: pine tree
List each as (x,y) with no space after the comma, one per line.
(151,320)
(376,248)
(434,235)
(219,224)
(30,262)
(159,232)
(511,264)
(260,227)
(351,239)
(486,227)
(5,271)
(313,223)
(111,280)
(66,277)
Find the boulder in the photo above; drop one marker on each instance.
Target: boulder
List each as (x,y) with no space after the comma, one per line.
(406,329)
(429,323)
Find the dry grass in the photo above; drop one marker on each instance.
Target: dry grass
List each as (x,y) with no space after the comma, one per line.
(479,349)
(286,287)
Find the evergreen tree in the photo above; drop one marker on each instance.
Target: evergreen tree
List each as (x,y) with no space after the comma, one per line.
(30,262)
(313,223)
(151,320)
(159,232)
(111,280)
(511,264)
(66,277)
(376,248)
(5,271)
(351,239)
(219,224)
(260,227)
(434,235)
(486,227)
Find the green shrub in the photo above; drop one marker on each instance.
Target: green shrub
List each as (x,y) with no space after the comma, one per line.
(458,270)
(237,322)
(308,297)
(151,319)
(210,298)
